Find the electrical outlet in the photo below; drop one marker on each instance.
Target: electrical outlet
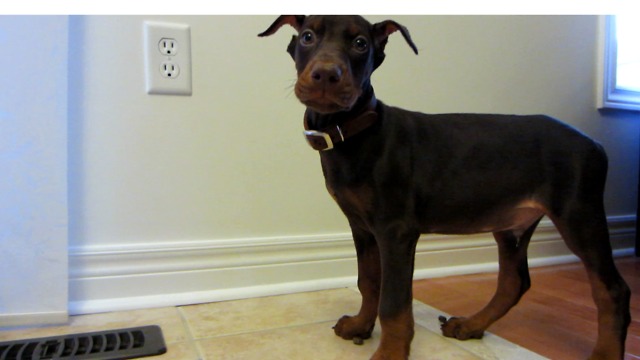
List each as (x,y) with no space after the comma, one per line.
(168,47)
(169,70)
(167,58)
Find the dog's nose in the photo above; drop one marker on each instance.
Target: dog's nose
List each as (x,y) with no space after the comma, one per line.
(326,73)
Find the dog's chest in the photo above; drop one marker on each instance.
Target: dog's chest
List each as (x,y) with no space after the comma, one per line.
(349,187)
(355,202)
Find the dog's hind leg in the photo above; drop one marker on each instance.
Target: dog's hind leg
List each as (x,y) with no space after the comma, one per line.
(359,327)
(580,218)
(513,282)
(584,229)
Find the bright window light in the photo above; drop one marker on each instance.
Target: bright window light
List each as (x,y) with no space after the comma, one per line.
(619,81)
(628,62)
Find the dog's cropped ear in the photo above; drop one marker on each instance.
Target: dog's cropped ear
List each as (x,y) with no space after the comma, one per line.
(381,32)
(294,20)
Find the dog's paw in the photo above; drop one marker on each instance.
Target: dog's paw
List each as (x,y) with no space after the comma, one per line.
(458,328)
(353,328)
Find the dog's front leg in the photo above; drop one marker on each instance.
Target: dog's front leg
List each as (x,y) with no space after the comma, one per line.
(359,327)
(397,253)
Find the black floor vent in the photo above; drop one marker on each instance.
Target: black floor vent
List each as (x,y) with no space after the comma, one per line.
(104,345)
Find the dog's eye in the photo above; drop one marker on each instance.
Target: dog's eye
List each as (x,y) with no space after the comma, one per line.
(360,44)
(307,38)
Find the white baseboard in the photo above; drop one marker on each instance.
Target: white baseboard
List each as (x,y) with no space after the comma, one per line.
(132,276)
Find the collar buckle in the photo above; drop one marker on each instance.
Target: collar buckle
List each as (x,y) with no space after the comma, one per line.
(319,140)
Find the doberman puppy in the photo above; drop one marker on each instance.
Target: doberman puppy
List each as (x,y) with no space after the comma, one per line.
(397,174)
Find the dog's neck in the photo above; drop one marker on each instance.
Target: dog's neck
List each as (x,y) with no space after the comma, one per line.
(324,131)
(365,103)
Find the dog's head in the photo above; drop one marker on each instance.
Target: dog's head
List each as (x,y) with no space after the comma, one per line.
(335,56)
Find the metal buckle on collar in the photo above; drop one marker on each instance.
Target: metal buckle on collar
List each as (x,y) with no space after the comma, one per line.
(321,135)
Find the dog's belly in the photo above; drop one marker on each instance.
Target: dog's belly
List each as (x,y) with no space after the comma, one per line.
(516,218)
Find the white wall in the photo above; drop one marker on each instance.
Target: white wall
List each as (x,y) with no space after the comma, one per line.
(33,170)
(227,170)
(227,162)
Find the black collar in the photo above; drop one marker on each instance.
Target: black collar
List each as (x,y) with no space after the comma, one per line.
(327,138)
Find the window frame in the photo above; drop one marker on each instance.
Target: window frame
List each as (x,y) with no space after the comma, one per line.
(609,96)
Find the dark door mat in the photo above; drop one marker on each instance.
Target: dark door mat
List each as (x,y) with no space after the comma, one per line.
(105,345)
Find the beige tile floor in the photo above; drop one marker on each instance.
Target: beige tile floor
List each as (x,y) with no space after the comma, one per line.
(296,326)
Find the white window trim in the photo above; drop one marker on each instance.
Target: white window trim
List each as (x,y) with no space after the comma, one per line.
(608,95)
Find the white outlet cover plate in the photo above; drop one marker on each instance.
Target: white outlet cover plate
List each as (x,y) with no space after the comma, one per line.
(156,82)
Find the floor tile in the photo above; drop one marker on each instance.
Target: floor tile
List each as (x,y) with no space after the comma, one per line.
(491,347)
(167,318)
(179,351)
(234,317)
(317,341)
(296,326)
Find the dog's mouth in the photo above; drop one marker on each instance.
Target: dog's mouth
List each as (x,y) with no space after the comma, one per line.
(326,101)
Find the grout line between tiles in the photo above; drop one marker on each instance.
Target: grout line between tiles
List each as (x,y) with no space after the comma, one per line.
(192,341)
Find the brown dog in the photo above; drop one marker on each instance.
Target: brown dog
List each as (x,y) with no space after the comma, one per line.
(396,174)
